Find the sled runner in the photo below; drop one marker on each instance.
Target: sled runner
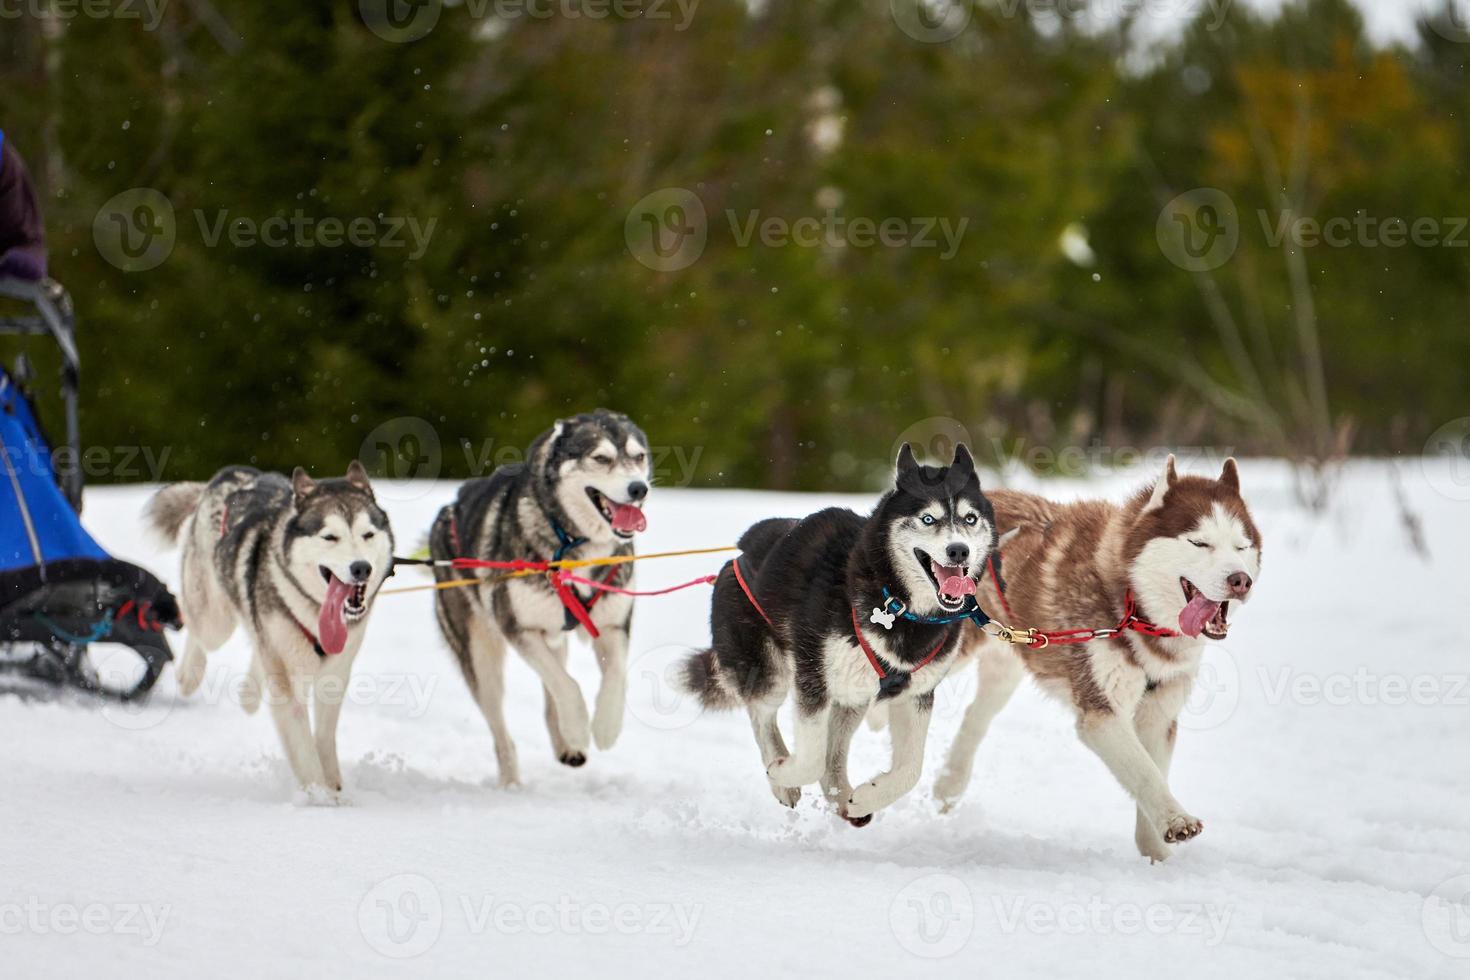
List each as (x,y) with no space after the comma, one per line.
(60,593)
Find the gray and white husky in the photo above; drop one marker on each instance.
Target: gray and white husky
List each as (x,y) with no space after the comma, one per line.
(849,611)
(297,562)
(579,494)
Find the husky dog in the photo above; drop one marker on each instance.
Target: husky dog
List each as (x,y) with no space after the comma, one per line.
(847,611)
(1184,549)
(298,562)
(580,494)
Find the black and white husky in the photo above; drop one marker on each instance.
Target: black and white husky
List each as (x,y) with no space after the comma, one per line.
(579,495)
(298,563)
(847,611)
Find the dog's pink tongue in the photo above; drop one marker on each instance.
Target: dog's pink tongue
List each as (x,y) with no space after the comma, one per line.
(628,519)
(952,583)
(1193,617)
(331,626)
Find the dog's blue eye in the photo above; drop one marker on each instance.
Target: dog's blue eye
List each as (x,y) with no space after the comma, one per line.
(927,519)
(971,519)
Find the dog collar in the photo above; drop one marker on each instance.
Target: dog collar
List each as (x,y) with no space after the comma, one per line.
(894,608)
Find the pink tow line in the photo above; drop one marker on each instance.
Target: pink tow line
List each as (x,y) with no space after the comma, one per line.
(604,587)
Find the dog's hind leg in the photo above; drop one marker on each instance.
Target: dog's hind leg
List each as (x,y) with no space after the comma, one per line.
(487,648)
(835,785)
(566,712)
(1000,672)
(1157,726)
(805,765)
(612,656)
(772,746)
(909,721)
(208,614)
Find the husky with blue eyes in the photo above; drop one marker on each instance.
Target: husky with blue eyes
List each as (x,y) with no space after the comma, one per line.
(298,563)
(845,611)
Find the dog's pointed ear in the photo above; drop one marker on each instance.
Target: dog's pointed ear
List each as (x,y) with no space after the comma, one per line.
(358,477)
(301,483)
(1230,476)
(1162,486)
(963,461)
(906,462)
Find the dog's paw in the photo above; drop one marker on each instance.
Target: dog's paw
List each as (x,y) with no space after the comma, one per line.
(785,772)
(573,759)
(864,802)
(607,725)
(189,672)
(318,795)
(949,789)
(787,796)
(859,821)
(1180,827)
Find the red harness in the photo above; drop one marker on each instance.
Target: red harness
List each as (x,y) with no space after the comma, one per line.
(856,629)
(1044,638)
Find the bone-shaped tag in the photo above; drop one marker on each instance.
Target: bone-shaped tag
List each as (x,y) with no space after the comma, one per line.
(881,618)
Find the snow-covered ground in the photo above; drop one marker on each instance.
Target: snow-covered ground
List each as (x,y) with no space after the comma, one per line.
(1326,753)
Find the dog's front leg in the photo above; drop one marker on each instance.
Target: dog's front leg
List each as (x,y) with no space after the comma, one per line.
(1114,740)
(804,766)
(1157,725)
(293,724)
(1000,672)
(566,712)
(835,785)
(908,720)
(327,694)
(612,656)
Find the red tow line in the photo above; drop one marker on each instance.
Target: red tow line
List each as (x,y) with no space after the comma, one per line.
(1044,638)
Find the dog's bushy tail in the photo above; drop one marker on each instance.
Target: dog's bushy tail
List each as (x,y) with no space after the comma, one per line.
(703,678)
(171,507)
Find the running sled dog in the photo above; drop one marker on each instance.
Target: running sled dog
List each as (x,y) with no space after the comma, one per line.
(298,563)
(1159,574)
(579,494)
(848,611)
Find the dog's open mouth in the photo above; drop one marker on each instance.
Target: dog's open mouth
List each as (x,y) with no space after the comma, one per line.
(1202,615)
(626,519)
(344,603)
(952,583)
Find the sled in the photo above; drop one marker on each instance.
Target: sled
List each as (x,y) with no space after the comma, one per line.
(70,613)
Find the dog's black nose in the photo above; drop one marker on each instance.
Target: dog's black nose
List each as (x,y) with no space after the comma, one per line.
(957,553)
(637,490)
(360,570)
(1240,583)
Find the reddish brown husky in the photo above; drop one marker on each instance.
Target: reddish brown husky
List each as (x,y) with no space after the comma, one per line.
(1140,586)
